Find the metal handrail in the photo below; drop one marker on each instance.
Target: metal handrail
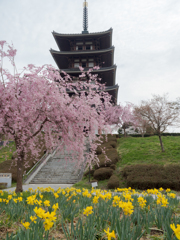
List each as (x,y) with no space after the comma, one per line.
(38,163)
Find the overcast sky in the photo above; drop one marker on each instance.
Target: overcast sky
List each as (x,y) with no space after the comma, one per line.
(146,36)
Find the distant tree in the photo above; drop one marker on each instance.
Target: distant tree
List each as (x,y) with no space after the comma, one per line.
(126,117)
(159,113)
(120,131)
(140,122)
(118,115)
(125,126)
(36,102)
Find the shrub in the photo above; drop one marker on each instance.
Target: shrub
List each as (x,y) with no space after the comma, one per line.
(149,135)
(111,154)
(103,162)
(113,144)
(103,173)
(106,145)
(142,170)
(98,150)
(113,166)
(113,182)
(152,176)
(109,138)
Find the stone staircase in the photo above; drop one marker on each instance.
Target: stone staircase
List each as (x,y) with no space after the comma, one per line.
(58,171)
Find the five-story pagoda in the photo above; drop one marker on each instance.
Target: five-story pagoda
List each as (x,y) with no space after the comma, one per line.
(87,50)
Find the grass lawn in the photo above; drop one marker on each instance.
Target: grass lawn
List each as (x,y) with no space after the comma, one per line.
(147,150)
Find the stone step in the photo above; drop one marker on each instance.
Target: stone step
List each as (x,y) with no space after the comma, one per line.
(54,182)
(58,170)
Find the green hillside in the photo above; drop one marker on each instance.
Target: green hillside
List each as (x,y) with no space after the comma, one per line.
(147,150)
(133,150)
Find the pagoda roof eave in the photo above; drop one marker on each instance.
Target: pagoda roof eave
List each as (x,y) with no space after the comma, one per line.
(106,89)
(61,58)
(82,52)
(110,88)
(101,69)
(80,34)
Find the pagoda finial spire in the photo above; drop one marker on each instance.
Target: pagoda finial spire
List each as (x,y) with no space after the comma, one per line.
(85,17)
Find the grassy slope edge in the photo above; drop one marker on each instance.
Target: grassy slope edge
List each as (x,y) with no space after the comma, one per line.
(140,151)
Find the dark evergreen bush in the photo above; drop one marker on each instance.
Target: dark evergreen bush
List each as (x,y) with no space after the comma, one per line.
(113,144)
(152,176)
(103,173)
(149,135)
(98,150)
(113,166)
(111,154)
(113,182)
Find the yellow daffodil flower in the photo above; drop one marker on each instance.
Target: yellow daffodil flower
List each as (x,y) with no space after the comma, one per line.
(176,230)
(110,234)
(48,224)
(47,203)
(26,224)
(33,218)
(55,206)
(88,210)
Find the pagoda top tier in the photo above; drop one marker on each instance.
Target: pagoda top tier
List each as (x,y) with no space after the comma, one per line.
(66,41)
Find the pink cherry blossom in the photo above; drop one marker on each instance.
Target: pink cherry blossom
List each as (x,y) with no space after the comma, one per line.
(36,104)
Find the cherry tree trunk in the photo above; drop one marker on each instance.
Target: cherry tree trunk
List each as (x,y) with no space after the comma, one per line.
(125,135)
(20,162)
(162,147)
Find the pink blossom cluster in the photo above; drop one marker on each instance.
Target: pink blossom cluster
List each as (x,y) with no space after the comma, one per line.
(38,103)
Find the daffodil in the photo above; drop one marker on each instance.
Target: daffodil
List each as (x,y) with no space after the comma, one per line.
(26,224)
(171,195)
(40,212)
(40,195)
(33,218)
(55,206)
(110,234)
(47,203)
(15,200)
(176,230)
(10,197)
(51,216)
(127,207)
(88,210)
(19,199)
(142,202)
(30,200)
(56,195)
(95,199)
(48,224)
